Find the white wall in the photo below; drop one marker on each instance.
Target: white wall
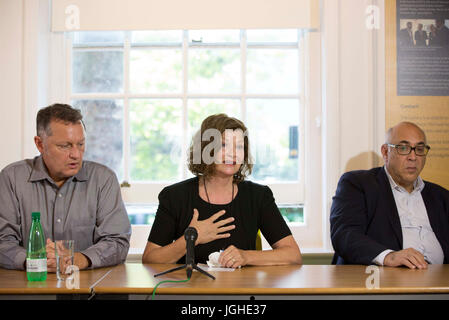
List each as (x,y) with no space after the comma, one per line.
(11,77)
(353,84)
(26,61)
(362,105)
(353,81)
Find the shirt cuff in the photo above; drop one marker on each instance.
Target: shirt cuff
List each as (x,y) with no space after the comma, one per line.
(379,260)
(92,255)
(19,260)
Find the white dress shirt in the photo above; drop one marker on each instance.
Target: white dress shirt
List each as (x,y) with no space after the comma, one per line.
(416,230)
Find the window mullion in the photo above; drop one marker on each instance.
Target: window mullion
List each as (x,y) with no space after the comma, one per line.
(243,48)
(302,102)
(185,75)
(69,70)
(126,121)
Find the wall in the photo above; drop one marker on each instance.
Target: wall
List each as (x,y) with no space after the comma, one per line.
(353,84)
(11,57)
(353,81)
(362,91)
(26,63)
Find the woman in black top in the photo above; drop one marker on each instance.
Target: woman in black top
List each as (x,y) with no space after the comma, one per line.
(226,210)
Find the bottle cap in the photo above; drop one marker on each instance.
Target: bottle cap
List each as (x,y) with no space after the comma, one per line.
(35,215)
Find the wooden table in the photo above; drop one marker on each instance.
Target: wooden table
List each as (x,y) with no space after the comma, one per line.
(14,285)
(279,282)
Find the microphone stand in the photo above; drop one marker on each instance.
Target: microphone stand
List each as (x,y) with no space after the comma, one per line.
(189,268)
(190,235)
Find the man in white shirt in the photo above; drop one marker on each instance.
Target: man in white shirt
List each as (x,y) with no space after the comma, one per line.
(389,215)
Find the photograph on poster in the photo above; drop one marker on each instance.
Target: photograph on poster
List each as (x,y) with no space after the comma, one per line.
(423,33)
(422,48)
(423,57)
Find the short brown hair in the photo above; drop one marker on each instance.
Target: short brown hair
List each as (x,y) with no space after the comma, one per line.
(220,122)
(58,112)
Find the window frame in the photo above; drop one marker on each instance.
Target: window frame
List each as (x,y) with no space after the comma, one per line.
(291,192)
(311,235)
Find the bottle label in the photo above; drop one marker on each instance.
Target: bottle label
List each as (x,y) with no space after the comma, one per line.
(36,265)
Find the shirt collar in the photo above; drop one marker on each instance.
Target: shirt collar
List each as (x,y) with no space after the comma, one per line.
(418,185)
(82,173)
(40,171)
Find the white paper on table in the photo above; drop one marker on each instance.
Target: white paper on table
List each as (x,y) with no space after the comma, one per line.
(205,267)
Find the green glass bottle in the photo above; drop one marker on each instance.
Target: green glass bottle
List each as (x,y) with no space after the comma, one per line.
(36,254)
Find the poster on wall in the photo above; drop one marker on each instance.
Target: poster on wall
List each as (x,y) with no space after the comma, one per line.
(422,48)
(417,75)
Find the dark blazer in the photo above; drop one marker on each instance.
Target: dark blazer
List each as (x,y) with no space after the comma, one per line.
(364,220)
(405,38)
(420,38)
(441,38)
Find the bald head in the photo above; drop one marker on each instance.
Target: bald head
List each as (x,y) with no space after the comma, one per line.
(402,127)
(404,168)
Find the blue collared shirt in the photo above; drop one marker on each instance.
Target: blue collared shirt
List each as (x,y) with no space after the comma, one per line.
(416,230)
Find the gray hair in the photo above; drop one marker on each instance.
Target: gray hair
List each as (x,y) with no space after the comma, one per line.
(58,112)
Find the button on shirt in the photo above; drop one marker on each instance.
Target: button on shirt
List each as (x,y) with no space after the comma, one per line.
(416,230)
(88,208)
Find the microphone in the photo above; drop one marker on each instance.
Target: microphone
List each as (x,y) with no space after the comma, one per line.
(190,235)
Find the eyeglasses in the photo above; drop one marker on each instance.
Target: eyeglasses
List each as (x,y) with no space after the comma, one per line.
(405,149)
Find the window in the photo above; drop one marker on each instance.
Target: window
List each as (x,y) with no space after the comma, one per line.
(143,95)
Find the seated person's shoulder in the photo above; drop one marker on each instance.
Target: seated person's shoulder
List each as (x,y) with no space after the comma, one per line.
(437,189)
(361,180)
(96,167)
(255,190)
(251,185)
(17,169)
(361,175)
(98,172)
(180,188)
